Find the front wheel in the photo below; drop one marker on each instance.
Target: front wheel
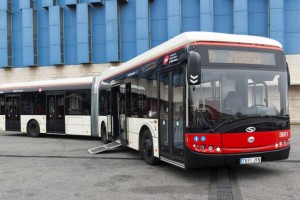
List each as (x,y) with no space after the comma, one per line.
(147,149)
(33,129)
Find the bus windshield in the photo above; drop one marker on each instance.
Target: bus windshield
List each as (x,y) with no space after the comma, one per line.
(226,93)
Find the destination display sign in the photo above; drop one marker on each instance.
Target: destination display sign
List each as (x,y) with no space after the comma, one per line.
(241,57)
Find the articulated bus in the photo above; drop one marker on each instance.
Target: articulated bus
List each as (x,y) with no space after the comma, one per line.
(198,100)
(54,106)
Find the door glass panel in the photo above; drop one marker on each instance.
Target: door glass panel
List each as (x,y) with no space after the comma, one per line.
(177,107)
(56,113)
(12,112)
(60,113)
(164,111)
(122,111)
(9,113)
(16,110)
(51,113)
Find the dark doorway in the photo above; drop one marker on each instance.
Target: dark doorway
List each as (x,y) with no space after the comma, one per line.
(56,113)
(119,112)
(12,113)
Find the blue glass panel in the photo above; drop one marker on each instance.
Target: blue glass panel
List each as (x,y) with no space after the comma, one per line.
(112,40)
(96,2)
(48,3)
(174,12)
(25,4)
(83,45)
(142,26)
(240,17)
(206,15)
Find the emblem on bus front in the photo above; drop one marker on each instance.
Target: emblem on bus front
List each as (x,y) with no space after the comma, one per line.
(251,139)
(250,129)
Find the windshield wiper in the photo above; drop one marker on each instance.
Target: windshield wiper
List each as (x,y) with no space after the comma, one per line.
(272,116)
(224,122)
(243,117)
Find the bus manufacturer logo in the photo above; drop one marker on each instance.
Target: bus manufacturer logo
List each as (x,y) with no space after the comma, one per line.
(251,139)
(250,129)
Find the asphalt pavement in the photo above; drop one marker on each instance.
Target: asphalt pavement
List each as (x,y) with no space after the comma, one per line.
(60,167)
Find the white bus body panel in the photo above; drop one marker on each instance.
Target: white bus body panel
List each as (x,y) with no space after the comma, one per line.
(78,125)
(134,126)
(41,119)
(2,122)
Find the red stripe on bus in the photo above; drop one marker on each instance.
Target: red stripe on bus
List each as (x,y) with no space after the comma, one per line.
(260,46)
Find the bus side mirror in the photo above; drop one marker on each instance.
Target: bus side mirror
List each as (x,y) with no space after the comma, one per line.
(194,68)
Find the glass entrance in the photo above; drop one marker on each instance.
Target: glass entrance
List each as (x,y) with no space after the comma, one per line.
(12,113)
(171,92)
(56,113)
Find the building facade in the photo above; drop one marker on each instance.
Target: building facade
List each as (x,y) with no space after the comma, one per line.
(49,39)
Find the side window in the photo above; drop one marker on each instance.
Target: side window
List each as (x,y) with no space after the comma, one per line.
(86,102)
(78,103)
(148,96)
(134,96)
(27,104)
(40,104)
(103,102)
(73,103)
(2,105)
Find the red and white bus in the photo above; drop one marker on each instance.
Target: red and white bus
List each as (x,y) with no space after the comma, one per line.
(200,99)
(60,106)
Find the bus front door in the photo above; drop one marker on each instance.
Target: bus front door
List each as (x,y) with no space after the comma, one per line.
(171,138)
(119,113)
(12,113)
(56,113)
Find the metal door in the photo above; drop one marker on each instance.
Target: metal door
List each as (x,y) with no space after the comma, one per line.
(12,113)
(56,113)
(171,116)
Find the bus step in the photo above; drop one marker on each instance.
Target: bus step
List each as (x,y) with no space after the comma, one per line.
(105,147)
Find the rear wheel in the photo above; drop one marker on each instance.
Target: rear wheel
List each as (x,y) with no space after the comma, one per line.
(147,149)
(103,134)
(33,129)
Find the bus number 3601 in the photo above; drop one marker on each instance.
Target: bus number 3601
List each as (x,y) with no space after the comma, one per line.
(283,134)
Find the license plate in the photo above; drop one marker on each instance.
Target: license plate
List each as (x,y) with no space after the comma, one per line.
(244,161)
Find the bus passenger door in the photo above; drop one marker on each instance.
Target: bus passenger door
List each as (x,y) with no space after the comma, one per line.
(118,112)
(171,114)
(55,113)
(12,113)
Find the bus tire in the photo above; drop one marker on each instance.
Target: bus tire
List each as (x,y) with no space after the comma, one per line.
(147,149)
(103,134)
(33,129)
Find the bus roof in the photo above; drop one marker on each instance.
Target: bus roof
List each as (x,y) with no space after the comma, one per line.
(185,39)
(47,83)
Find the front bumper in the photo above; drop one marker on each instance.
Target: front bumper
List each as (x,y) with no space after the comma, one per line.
(199,160)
